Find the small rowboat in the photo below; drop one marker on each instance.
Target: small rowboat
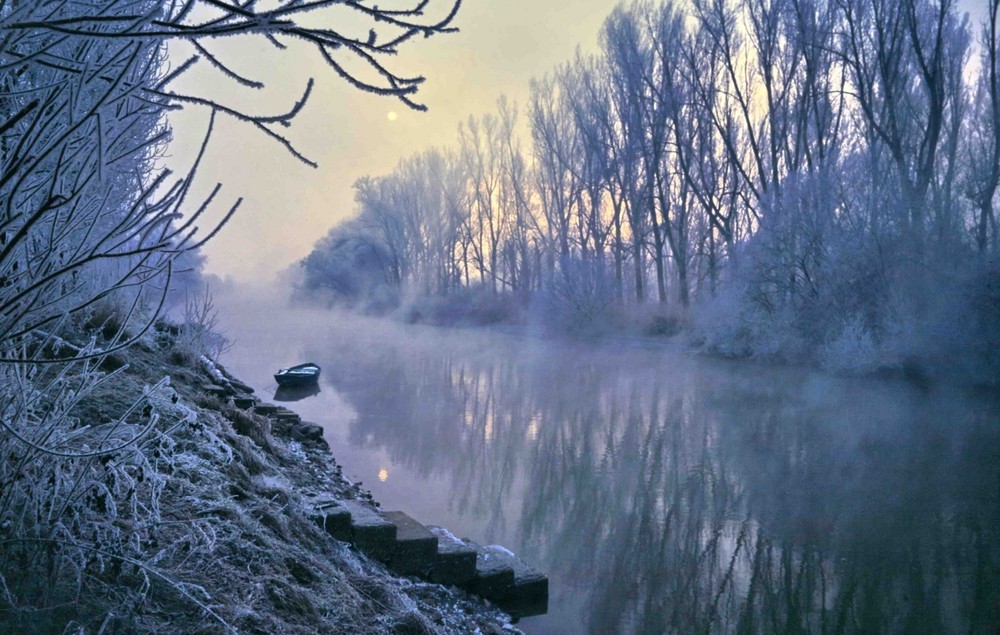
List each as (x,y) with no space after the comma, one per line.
(301,375)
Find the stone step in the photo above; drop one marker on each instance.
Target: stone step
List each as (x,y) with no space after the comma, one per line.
(416,547)
(265,409)
(244,401)
(335,519)
(505,579)
(238,385)
(456,561)
(305,431)
(531,587)
(370,532)
(494,576)
(215,389)
(434,553)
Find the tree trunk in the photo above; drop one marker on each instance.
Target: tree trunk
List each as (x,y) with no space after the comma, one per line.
(661,287)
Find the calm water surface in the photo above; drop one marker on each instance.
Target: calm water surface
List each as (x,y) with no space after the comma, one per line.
(659,492)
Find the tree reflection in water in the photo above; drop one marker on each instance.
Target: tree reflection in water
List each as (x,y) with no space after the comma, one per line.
(665,495)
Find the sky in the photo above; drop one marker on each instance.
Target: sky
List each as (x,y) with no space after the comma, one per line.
(287,206)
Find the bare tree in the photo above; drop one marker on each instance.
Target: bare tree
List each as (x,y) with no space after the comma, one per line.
(481,152)
(736,121)
(557,146)
(621,43)
(897,56)
(516,196)
(594,118)
(982,160)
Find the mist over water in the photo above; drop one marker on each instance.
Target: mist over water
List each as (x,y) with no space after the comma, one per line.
(661,493)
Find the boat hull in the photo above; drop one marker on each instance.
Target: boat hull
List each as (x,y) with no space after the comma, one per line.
(298,376)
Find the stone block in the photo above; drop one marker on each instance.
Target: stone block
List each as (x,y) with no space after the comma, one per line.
(244,401)
(456,561)
(287,415)
(311,430)
(370,532)
(305,431)
(335,519)
(215,389)
(530,592)
(494,576)
(525,608)
(416,546)
(238,385)
(265,409)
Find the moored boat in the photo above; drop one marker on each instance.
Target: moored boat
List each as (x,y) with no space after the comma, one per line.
(301,375)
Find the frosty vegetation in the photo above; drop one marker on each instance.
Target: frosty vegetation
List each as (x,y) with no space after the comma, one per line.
(795,179)
(99,489)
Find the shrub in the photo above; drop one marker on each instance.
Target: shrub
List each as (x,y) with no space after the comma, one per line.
(663,326)
(852,351)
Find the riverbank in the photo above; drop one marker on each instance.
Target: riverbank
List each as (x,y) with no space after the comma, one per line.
(236,547)
(293,466)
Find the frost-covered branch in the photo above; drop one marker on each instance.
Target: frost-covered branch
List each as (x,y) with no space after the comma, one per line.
(200,21)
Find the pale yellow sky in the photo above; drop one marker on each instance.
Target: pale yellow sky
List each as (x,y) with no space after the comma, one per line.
(502,44)
(287,206)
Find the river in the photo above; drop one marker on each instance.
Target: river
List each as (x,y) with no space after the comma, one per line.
(659,491)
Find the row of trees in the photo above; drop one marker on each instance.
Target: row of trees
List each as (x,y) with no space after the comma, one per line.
(814,159)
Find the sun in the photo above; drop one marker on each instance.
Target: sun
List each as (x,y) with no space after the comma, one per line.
(392,115)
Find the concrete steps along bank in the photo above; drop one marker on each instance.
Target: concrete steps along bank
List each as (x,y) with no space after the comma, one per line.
(435,554)
(410,548)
